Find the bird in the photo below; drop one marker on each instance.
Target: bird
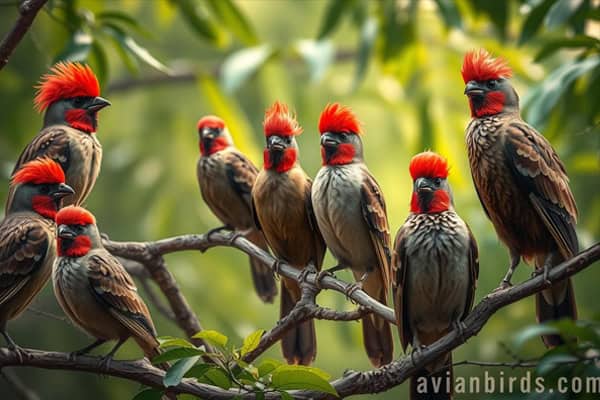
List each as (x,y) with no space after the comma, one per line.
(435,269)
(70,98)
(283,211)
(94,289)
(226,177)
(351,214)
(521,182)
(27,237)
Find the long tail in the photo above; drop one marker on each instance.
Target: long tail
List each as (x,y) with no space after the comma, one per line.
(377,334)
(299,345)
(262,275)
(425,385)
(556,302)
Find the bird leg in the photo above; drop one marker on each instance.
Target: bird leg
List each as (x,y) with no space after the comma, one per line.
(105,361)
(13,346)
(276,266)
(216,230)
(328,272)
(86,349)
(309,269)
(415,351)
(515,258)
(353,287)
(550,261)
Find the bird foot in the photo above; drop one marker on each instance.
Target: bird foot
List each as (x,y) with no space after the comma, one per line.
(321,275)
(544,272)
(19,351)
(415,352)
(276,267)
(460,327)
(216,230)
(104,364)
(309,269)
(351,288)
(504,284)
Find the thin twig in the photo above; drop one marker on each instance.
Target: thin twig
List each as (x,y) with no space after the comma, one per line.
(27,12)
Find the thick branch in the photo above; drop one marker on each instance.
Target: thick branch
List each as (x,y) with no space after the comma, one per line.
(27,12)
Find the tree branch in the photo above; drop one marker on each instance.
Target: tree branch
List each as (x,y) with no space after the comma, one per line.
(27,10)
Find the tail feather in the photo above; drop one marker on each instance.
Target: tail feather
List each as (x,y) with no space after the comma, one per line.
(430,385)
(299,345)
(152,350)
(377,337)
(556,302)
(262,275)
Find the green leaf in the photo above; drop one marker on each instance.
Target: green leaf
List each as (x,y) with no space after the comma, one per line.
(242,64)
(267,366)
(450,13)
(149,394)
(289,377)
(251,341)
(318,55)
(532,331)
(285,395)
(571,42)
(204,26)
(561,11)
(100,61)
(553,360)
(211,336)
(231,16)
(497,12)
(368,35)
(333,15)
(117,35)
(176,354)
(198,371)
(541,99)
(170,341)
(178,370)
(120,17)
(218,377)
(534,20)
(144,55)
(78,47)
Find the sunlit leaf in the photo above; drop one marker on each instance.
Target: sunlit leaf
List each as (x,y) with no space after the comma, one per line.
(333,15)
(198,371)
(368,36)
(289,377)
(450,13)
(242,64)
(178,370)
(267,366)
(231,16)
(78,47)
(571,42)
(216,376)
(318,55)
(203,25)
(176,354)
(251,341)
(533,331)
(541,99)
(212,336)
(149,394)
(534,20)
(561,11)
(170,341)
(144,55)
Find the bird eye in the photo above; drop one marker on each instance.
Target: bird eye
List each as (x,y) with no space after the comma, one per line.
(344,136)
(44,189)
(492,84)
(437,181)
(78,102)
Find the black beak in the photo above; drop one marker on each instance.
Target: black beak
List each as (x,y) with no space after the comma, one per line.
(65,232)
(423,185)
(276,143)
(97,104)
(62,190)
(329,139)
(474,88)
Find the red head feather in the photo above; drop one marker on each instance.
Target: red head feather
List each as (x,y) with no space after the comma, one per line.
(72,215)
(66,80)
(337,118)
(279,121)
(478,65)
(211,121)
(39,171)
(428,164)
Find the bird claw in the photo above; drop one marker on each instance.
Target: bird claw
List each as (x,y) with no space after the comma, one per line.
(504,284)
(460,327)
(276,267)
(351,288)
(216,230)
(19,351)
(415,351)
(104,364)
(321,275)
(309,269)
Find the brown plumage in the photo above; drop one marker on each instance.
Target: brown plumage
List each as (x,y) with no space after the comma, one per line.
(436,266)
(95,290)
(283,210)
(226,177)
(523,187)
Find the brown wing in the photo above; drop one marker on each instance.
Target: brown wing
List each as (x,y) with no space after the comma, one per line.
(374,213)
(399,277)
(23,247)
(113,287)
(473,272)
(319,242)
(52,142)
(241,174)
(539,172)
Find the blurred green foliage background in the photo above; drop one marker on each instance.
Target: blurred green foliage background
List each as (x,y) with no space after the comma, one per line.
(164,64)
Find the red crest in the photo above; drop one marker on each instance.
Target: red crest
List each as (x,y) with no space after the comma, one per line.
(66,80)
(428,164)
(479,65)
(72,215)
(39,171)
(280,121)
(211,121)
(338,118)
